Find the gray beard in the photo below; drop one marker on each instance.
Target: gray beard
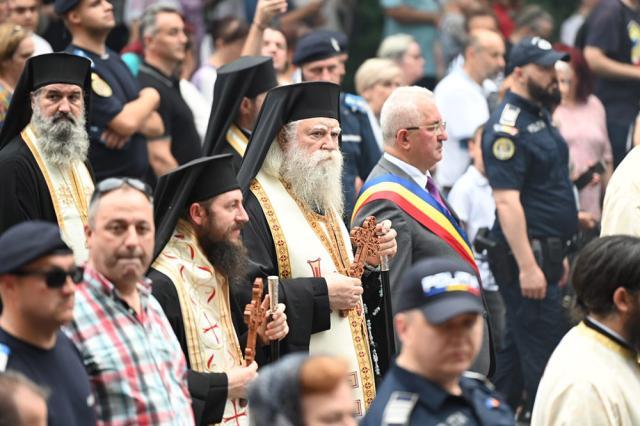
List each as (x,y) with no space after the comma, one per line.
(319,186)
(61,141)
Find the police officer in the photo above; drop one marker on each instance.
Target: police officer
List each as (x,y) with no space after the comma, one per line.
(121,114)
(321,56)
(526,162)
(438,320)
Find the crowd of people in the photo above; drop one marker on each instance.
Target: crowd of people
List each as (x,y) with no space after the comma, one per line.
(204,227)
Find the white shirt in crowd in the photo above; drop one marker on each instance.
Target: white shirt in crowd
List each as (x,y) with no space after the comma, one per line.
(463,105)
(41,45)
(472,200)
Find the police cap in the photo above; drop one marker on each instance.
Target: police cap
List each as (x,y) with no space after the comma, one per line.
(28,241)
(320,44)
(533,50)
(441,288)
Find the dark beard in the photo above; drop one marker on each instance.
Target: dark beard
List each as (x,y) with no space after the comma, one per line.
(228,258)
(548,98)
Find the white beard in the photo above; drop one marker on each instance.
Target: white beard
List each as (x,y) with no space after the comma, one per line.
(315,182)
(62,142)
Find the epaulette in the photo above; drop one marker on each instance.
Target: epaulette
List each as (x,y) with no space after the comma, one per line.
(480,378)
(509,115)
(399,408)
(355,103)
(82,53)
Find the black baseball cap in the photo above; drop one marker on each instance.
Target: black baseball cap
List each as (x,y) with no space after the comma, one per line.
(29,241)
(534,50)
(319,44)
(441,288)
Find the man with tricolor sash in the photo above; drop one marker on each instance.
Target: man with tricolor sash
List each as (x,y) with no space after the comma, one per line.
(400,188)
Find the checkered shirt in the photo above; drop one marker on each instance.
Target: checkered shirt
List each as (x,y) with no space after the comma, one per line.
(136,367)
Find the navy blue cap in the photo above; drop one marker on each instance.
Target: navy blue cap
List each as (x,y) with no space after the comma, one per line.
(63,6)
(28,241)
(320,44)
(441,288)
(533,50)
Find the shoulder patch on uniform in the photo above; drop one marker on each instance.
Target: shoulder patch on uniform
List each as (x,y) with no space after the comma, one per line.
(502,128)
(355,102)
(479,378)
(503,149)
(536,126)
(509,115)
(100,87)
(399,408)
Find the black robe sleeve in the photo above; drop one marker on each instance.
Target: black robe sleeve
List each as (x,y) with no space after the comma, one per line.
(24,194)
(208,390)
(306,299)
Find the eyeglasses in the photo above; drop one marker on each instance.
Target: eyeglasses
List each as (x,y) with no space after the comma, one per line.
(56,277)
(111,184)
(438,127)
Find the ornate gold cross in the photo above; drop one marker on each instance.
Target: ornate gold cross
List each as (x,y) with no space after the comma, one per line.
(366,241)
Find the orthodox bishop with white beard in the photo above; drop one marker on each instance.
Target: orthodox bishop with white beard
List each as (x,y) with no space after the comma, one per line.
(291,178)
(43,148)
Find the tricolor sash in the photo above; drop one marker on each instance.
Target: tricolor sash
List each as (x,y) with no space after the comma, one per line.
(421,206)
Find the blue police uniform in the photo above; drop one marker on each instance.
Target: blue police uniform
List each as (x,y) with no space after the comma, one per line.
(113,86)
(523,151)
(359,147)
(404,398)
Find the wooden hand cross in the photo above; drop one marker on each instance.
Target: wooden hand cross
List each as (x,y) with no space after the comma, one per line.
(253,317)
(366,242)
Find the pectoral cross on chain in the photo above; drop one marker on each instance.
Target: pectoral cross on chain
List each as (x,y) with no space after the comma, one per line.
(365,240)
(253,317)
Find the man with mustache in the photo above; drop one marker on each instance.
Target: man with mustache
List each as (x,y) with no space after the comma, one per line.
(195,277)
(291,178)
(136,367)
(43,148)
(593,375)
(526,162)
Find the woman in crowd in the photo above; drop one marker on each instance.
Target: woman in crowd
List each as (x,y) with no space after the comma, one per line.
(405,52)
(16,46)
(375,80)
(581,119)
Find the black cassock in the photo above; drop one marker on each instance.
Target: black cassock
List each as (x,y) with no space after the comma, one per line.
(24,194)
(208,390)
(306,299)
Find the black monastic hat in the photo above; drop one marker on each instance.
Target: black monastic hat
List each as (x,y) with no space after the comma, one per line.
(197,180)
(248,76)
(39,71)
(283,105)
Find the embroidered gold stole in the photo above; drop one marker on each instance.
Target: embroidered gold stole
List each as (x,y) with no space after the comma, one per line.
(237,139)
(203,294)
(308,244)
(70,190)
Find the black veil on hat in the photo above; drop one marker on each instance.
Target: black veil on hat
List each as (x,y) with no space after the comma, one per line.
(197,180)
(39,71)
(283,105)
(248,76)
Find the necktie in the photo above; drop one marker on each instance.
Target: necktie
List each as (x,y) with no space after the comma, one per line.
(431,187)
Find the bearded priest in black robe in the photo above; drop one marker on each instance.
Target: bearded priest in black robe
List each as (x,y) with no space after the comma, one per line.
(44,174)
(291,179)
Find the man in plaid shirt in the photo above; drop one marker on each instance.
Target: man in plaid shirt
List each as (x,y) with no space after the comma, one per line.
(137,369)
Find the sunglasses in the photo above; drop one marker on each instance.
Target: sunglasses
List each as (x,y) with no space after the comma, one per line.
(56,277)
(111,184)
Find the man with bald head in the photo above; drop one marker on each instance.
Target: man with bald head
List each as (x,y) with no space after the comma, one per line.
(462,101)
